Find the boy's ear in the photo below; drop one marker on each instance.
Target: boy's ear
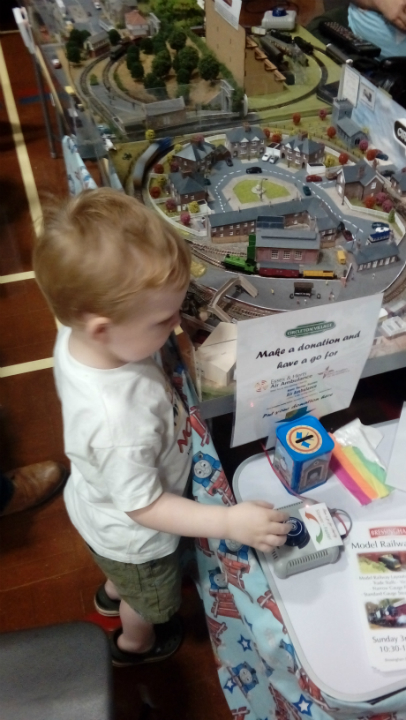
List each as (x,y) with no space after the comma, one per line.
(98,328)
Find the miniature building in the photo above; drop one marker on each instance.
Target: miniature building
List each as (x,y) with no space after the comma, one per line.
(358,181)
(195,157)
(185,189)
(286,246)
(246,142)
(241,54)
(136,24)
(236,225)
(97,44)
(217,355)
(165,113)
(398,183)
(347,129)
(299,150)
(375,256)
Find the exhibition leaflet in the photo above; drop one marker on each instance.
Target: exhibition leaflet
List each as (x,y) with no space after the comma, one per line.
(377,555)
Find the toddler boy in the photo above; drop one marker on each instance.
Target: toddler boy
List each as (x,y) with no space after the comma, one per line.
(115,276)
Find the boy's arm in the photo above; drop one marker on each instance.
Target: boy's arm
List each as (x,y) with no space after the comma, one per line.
(252,523)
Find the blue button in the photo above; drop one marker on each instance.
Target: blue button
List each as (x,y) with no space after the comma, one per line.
(298,536)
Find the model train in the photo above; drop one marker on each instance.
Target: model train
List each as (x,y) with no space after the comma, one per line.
(391,615)
(152,153)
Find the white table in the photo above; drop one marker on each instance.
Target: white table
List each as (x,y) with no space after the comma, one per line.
(318,606)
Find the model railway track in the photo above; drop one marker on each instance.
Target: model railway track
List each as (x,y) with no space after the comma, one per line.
(320,84)
(396,288)
(236,309)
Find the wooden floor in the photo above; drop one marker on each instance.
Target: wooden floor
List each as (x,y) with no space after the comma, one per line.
(46,574)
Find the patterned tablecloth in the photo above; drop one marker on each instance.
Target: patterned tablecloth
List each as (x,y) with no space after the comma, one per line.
(258,668)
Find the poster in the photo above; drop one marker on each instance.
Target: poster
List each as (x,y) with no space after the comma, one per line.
(306,362)
(377,553)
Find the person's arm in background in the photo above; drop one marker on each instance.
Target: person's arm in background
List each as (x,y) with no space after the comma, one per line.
(393,10)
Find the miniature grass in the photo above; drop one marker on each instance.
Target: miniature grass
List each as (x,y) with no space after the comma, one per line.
(243,190)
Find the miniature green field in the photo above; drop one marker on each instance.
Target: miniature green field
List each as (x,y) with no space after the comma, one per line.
(243,190)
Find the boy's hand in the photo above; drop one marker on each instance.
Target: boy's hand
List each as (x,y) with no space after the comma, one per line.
(257,524)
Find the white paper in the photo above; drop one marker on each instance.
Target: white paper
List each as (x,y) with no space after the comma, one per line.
(302,362)
(396,474)
(229,10)
(320,526)
(350,85)
(377,551)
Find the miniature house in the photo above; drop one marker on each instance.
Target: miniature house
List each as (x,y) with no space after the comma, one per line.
(347,130)
(398,183)
(301,151)
(246,142)
(195,157)
(358,181)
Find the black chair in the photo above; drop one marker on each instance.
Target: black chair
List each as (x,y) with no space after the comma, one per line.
(60,672)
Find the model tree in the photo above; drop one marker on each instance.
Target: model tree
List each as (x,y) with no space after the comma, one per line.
(387,206)
(276,137)
(209,68)
(363,146)
(174,166)
(198,139)
(150,135)
(330,161)
(158,168)
(162,181)
(391,217)
(170,205)
(161,64)
(177,39)
(296,118)
(137,70)
(369,202)
(114,36)
(381,197)
(155,192)
(147,46)
(183,77)
(188,58)
(133,55)
(78,37)
(343,158)
(194,207)
(322,113)
(185,218)
(331,132)
(371,154)
(73,53)
(152,82)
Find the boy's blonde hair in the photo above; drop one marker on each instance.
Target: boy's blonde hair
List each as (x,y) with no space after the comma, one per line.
(98,250)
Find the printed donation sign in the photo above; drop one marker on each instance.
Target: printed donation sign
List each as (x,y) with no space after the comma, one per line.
(377,552)
(306,362)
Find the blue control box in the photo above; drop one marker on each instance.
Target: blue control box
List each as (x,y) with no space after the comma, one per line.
(302,453)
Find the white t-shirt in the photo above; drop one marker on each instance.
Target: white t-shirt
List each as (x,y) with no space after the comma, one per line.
(128,437)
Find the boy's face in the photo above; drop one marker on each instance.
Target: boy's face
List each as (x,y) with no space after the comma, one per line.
(155,316)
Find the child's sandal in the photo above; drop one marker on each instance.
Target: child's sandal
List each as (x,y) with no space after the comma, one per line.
(168,638)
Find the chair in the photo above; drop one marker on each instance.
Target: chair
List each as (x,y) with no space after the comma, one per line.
(60,672)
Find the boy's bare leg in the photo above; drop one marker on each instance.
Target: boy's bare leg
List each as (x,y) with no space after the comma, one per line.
(138,635)
(111,591)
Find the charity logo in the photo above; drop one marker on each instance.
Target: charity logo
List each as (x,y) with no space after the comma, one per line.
(310,329)
(261,386)
(319,536)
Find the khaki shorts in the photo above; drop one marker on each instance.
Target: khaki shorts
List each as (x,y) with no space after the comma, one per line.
(152,589)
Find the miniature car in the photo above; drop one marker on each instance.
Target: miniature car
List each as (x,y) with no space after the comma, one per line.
(97,5)
(381,156)
(314,178)
(306,190)
(56,62)
(387,172)
(379,225)
(349,237)
(273,159)
(207,181)
(229,162)
(253,170)
(267,155)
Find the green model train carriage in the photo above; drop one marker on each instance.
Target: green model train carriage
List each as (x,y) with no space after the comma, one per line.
(244,264)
